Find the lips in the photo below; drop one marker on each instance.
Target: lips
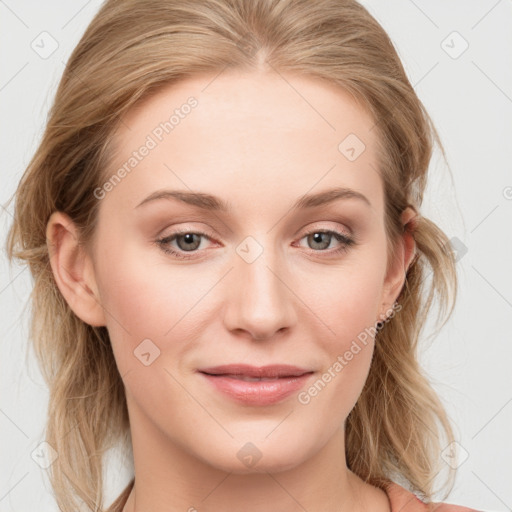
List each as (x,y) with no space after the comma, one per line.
(254,373)
(256,386)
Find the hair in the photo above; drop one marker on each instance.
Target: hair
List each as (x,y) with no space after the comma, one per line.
(129,51)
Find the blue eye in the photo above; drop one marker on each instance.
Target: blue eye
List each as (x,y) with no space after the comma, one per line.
(190,241)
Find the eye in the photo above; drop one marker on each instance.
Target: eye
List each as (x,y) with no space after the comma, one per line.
(319,240)
(187,241)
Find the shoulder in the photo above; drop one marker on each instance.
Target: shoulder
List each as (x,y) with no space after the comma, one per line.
(402,500)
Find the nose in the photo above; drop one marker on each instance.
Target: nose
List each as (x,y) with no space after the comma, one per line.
(260,298)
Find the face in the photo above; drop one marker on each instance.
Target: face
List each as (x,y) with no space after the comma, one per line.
(279,266)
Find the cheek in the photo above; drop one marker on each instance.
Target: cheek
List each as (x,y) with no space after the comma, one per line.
(152,306)
(347,361)
(140,300)
(344,298)
(348,303)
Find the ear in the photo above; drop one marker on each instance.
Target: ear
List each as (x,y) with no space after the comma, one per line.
(73,270)
(405,253)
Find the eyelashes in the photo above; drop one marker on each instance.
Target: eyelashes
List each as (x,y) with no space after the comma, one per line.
(192,237)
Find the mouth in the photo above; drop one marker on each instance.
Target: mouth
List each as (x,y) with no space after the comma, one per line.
(254,373)
(245,378)
(257,386)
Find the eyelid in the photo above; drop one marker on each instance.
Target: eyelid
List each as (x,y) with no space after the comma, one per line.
(207,233)
(312,228)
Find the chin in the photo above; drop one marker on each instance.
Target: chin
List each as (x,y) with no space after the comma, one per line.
(252,457)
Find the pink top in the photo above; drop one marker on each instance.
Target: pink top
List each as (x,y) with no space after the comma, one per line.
(401,500)
(404,501)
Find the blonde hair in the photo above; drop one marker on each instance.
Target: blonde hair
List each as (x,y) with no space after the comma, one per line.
(130,50)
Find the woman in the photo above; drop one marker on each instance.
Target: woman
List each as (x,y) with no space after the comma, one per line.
(222,221)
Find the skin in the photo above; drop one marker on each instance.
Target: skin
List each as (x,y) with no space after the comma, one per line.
(260,144)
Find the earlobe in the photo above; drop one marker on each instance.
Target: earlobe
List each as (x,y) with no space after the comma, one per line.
(73,270)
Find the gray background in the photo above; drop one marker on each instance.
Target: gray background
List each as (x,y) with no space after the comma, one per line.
(469,96)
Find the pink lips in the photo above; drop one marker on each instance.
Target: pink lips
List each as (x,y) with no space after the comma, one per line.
(242,383)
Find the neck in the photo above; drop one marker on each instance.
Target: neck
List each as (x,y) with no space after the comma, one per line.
(170,479)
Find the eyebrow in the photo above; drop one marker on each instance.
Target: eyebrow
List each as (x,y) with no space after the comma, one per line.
(212,203)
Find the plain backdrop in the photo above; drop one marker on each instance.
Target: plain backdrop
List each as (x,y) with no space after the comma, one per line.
(458,56)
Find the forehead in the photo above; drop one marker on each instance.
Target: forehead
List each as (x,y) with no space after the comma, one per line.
(258,132)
